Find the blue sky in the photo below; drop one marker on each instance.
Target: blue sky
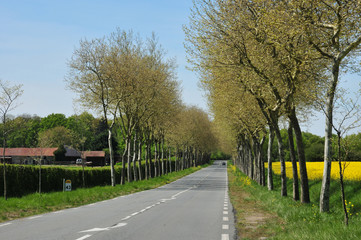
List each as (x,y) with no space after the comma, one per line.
(38,37)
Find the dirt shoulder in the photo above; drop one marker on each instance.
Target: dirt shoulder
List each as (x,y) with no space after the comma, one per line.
(252,222)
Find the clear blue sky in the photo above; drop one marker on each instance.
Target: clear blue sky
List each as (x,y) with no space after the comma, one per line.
(38,37)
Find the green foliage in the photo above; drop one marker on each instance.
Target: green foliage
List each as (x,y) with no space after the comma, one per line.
(23,179)
(218,155)
(302,221)
(60,153)
(24,130)
(313,144)
(53,120)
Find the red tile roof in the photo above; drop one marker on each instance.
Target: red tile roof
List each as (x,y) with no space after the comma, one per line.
(28,152)
(94,154)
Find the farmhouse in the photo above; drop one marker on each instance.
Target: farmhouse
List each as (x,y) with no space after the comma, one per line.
(47,156)
(28,155)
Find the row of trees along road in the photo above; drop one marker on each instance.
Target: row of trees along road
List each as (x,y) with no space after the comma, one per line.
(131,84)
(265,60)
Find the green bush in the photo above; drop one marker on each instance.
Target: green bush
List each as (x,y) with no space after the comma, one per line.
(22,180)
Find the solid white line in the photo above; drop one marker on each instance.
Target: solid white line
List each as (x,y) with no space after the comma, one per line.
(225,236)
(84,237)
(57,212)
(5,224)
(225,226)
(126,218)
(225,219)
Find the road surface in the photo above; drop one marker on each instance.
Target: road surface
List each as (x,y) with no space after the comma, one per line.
(194,207)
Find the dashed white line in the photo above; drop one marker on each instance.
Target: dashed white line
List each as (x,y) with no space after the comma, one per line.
(84,237)
(225,212)
(225,219)
(225,208)
(225,236)
(126,218)
(34,217)
(95,230)
(225,226)
(5,224)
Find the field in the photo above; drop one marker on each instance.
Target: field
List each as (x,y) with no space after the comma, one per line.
(283,218)
(315,170)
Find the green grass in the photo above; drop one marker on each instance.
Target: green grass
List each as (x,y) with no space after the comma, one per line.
(34,204)
(304,221)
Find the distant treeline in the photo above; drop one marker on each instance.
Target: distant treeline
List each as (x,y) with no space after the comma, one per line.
(24,130)
(314,147)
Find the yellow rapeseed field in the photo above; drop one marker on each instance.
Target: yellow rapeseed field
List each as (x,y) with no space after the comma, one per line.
(315,170)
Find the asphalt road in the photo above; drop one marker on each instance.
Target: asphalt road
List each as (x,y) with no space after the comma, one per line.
(194,207)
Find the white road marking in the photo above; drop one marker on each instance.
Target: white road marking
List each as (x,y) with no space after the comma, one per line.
(225,212)
(5,224)
(57,212)
(84,237)
(225,236)
(34,217)
(225,208)
(225,226)
(225,219)
(126,218)
(119,225)
(95,230)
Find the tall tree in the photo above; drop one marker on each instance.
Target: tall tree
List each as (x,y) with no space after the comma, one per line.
(334,31)
(90,77)
(9,95)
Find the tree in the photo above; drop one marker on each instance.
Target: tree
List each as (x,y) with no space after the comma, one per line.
(9,94)
(57,136)
(334,31)
(90,77)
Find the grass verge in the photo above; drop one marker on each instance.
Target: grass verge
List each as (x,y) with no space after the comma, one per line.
(282,218)
(34,204)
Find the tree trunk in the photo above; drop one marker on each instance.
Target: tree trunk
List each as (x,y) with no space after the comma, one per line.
(122,181)
(305,192)
(140,159)
(146,167)
(326,178)
(296,194)
(282,161)
(162,156)
(343,198)
(269,160)
(170,160)
(4,162)
(135,157)
(156,169)
(129,170)
(111,157)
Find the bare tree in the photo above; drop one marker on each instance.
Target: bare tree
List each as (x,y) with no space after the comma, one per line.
(8,95)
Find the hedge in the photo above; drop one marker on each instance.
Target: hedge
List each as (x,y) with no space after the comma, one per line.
(24,179)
